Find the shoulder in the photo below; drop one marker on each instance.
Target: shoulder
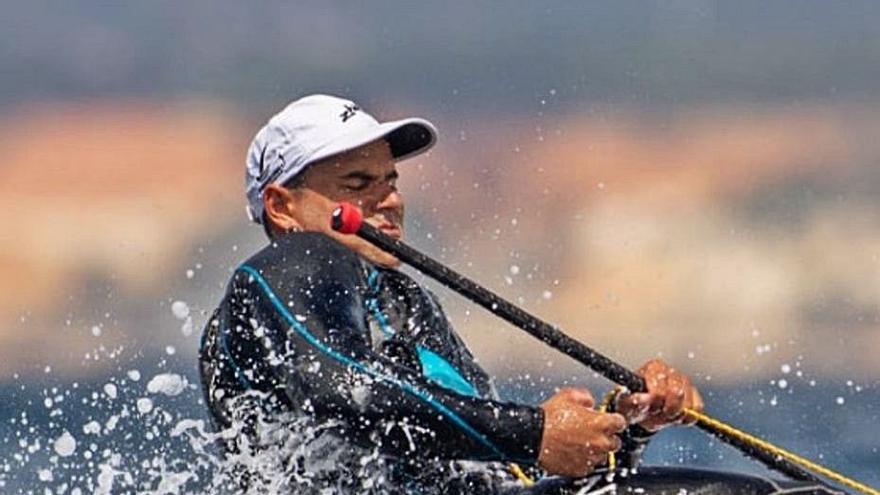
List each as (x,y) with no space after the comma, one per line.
(304,255)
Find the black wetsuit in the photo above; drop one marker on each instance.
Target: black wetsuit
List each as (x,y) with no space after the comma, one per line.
(309,333)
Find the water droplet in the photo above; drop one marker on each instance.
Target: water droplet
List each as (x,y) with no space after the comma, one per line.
(144,405)
(110,390)
(65,445)
(180,310)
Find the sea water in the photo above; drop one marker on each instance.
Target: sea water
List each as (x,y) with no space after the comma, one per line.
(145,429)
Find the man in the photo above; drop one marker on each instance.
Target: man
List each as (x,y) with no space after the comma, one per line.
(321,350)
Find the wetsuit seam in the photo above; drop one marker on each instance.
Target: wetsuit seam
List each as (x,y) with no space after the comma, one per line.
(372,278)
(373,303)
(409,388)
(373,306)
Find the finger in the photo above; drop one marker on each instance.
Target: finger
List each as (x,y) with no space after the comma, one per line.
(607,423)
(597,450)
(696,405)
(615,444)
(633,406)
(689,403)
(610,443)
(602,446)
(657,383)
(613,423)
(651,365)
(674,398)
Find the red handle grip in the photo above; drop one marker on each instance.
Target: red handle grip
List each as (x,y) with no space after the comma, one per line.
(346,219)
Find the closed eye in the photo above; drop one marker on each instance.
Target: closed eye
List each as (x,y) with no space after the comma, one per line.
(358,186)
(359,180)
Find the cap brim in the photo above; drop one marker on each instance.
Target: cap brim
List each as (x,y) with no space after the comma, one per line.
(410,137)
(407,138)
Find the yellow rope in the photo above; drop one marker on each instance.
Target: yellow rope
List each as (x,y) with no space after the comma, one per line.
(521,475)
(750,439)
(612,461)
(603,407)
(780,452)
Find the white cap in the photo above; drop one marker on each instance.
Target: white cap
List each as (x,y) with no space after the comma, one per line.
(317,127)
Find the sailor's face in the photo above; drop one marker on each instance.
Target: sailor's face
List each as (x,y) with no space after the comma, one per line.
(366,177)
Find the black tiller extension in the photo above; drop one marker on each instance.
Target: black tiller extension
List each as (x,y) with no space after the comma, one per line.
(347,219)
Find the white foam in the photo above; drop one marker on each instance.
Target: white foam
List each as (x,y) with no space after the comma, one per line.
(170,384)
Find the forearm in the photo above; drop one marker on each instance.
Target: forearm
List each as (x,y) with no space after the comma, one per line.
(400,412)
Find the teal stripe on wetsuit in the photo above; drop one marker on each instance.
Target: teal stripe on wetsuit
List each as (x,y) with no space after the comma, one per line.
(407,387)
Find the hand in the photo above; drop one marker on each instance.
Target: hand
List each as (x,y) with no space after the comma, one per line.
(576,438)
(670,392)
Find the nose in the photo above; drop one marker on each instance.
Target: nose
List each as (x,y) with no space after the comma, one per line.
(392,200)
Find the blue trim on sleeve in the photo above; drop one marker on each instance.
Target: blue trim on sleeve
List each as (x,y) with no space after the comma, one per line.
(409,388)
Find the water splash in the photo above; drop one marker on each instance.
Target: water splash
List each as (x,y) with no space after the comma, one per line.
(144,438)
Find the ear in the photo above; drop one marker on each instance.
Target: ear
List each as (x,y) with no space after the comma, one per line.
(278,207)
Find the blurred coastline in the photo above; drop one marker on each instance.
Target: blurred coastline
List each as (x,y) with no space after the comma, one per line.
(732,240)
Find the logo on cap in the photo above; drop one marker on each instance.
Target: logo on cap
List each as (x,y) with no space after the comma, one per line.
(349,112)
